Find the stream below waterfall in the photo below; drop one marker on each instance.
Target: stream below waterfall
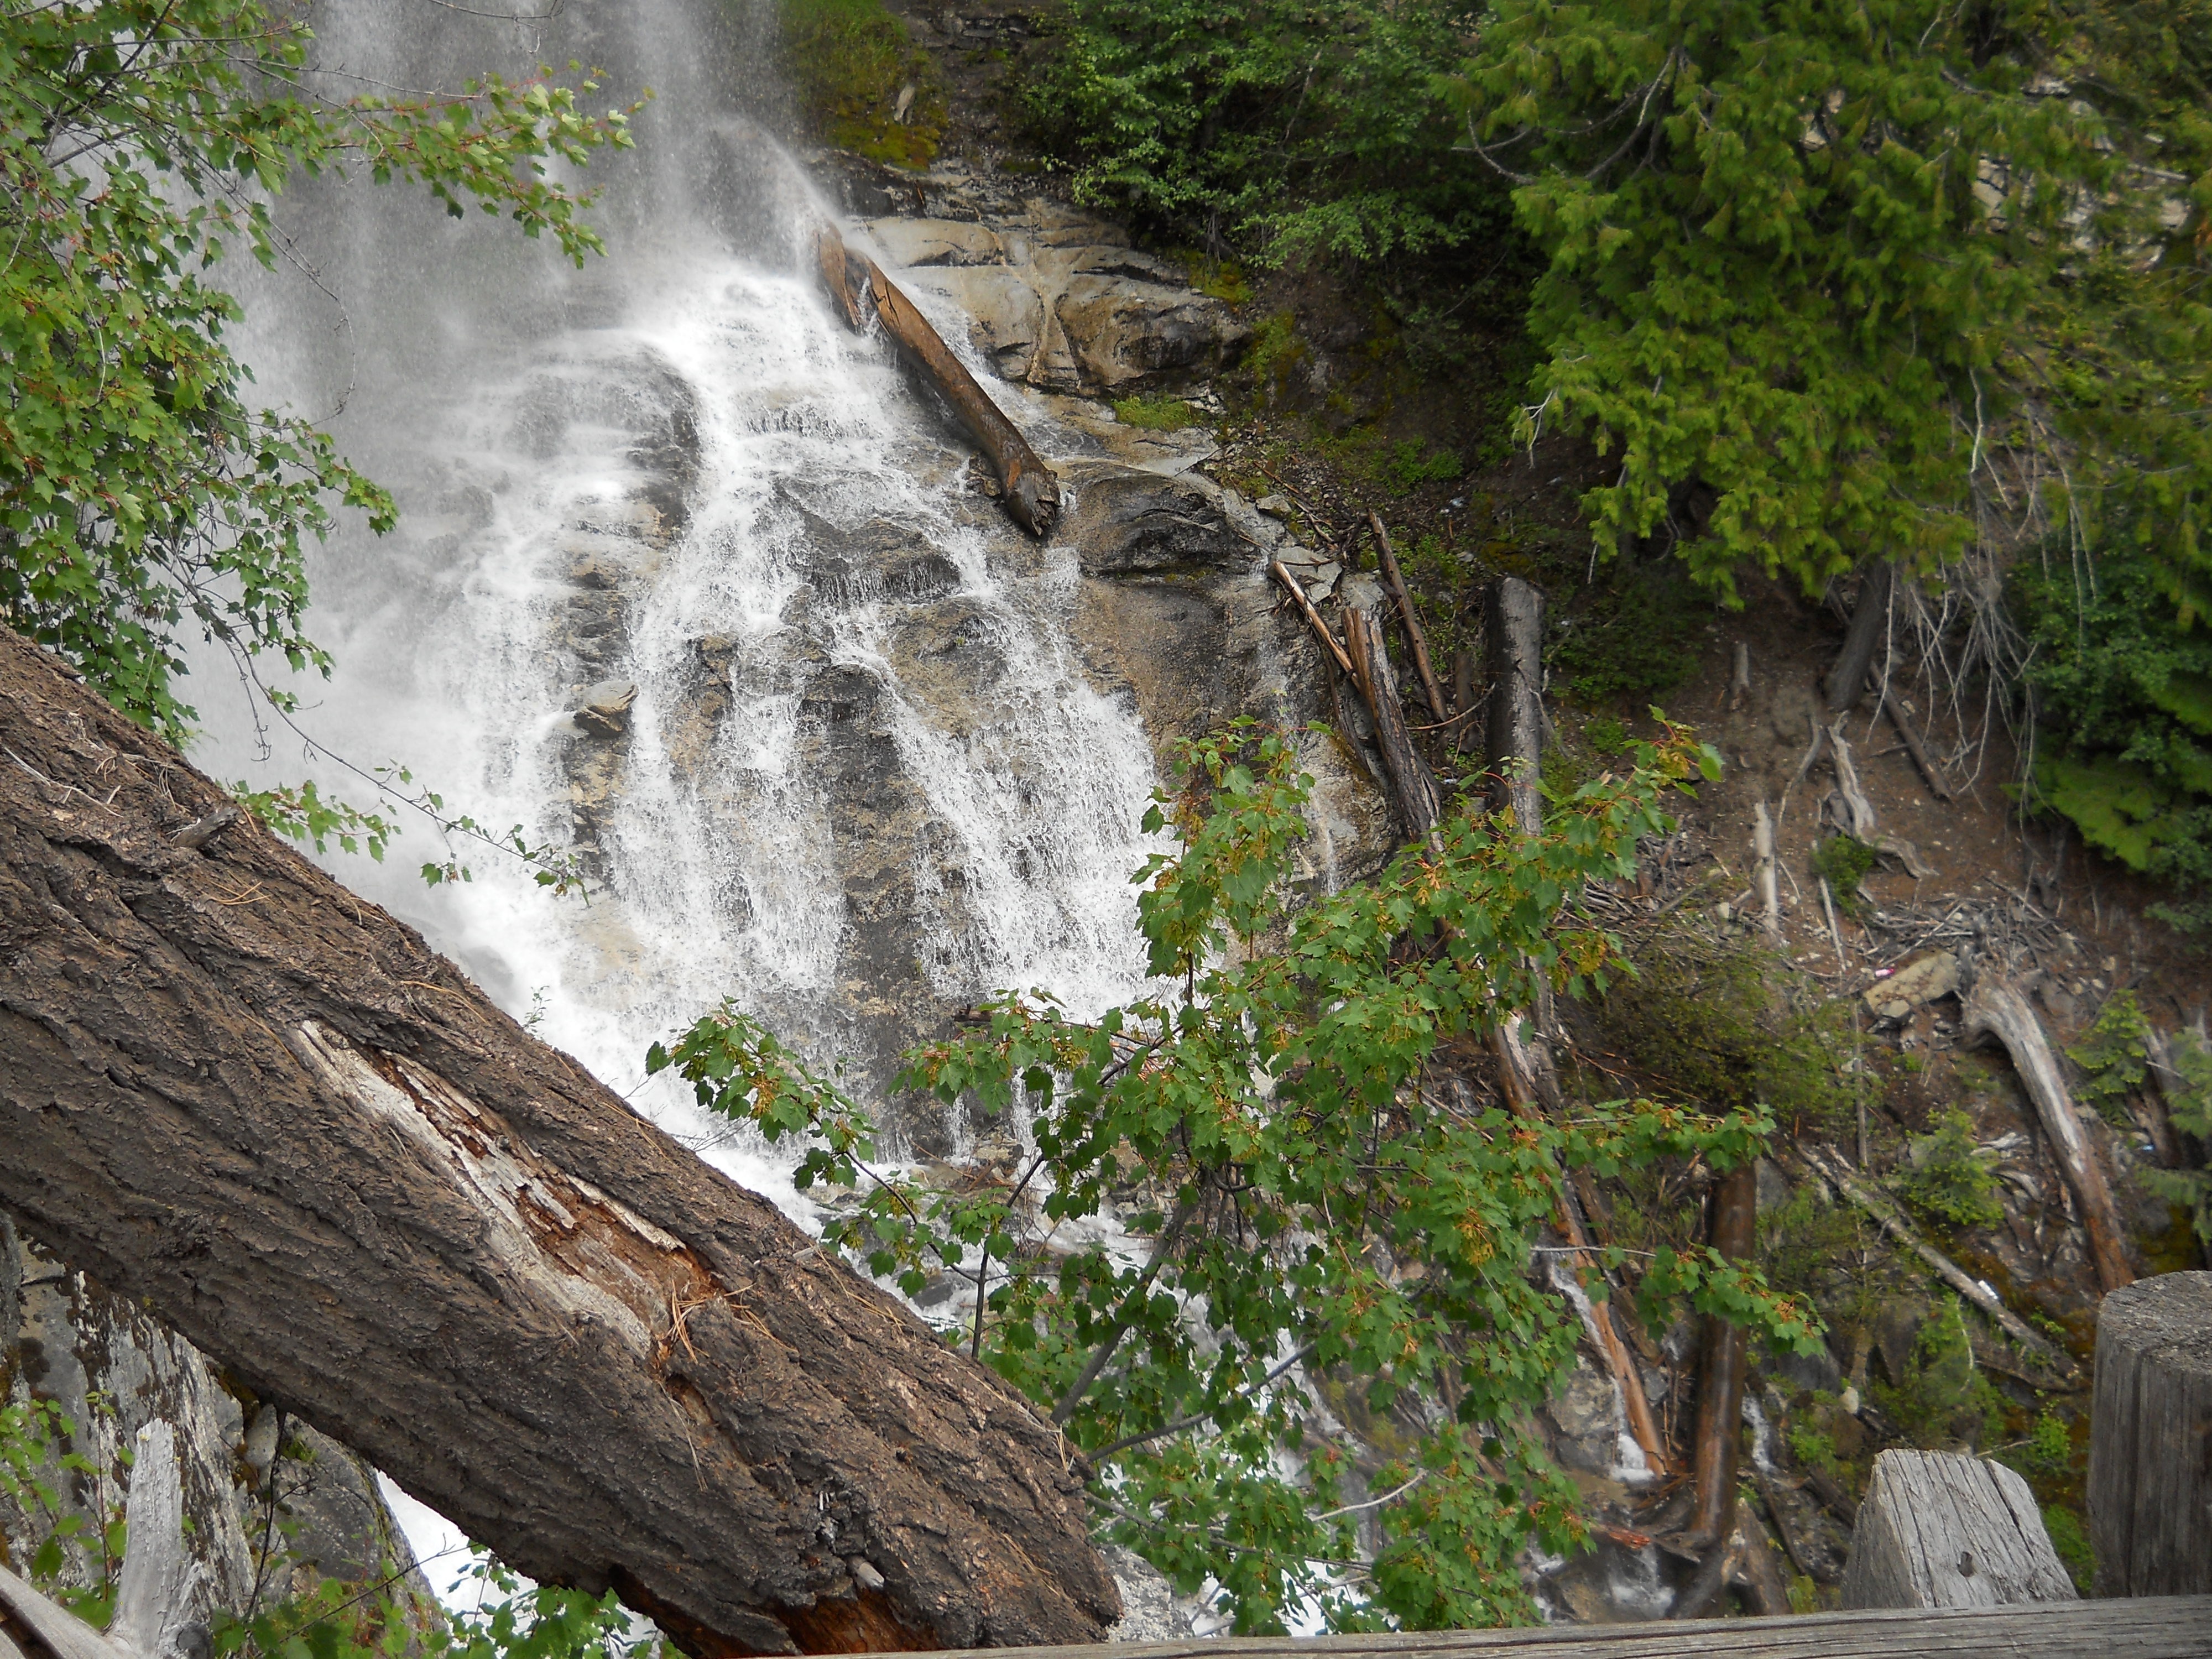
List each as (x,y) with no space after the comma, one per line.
(863,778)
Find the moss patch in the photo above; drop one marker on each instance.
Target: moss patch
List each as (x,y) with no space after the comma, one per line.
(852,65)
(1155,414)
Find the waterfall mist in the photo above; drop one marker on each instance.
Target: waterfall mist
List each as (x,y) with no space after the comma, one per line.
(864,778)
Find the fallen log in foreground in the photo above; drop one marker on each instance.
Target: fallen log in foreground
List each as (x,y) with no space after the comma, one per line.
(860,290)
(231,1089)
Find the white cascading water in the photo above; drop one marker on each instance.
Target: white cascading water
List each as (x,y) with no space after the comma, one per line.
(779,513)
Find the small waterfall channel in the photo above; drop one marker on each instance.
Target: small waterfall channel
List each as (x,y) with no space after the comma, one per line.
(863,778)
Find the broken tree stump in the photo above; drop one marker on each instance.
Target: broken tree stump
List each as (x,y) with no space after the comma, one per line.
(1945,1530)
(1995,1008)
(2150,1439)
(230,1088)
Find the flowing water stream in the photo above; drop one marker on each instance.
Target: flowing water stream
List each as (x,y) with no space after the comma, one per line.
(864,778)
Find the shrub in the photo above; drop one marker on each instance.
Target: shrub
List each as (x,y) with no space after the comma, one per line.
(1949,1177)
(1843,862)
(2114,1056)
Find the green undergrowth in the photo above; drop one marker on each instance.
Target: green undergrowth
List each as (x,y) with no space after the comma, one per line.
(1843,862)
(1158,414)
(1726,1026)
(849,62)
(1948,1178)
(1637,632)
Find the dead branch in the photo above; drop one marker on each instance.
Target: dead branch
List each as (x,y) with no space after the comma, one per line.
(1996,1008)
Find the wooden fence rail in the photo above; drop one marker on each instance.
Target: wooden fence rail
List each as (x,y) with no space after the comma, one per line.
(2153,1627)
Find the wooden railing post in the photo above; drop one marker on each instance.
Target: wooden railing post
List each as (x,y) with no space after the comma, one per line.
(2150,1439)
(1945,1530)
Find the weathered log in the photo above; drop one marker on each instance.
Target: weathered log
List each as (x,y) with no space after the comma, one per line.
(859,290)
(153,1592)
(1869,627)
(1833,1169)
(1420,807)
(2150,1439)
(1847,785)
(1944,1529)
(1764,1588)
(1718,1443)
(1414,636)
(1739,678)
(1514,630)
(231,1089)
(1314,618)
(2157,1120)
(1763,872)
(1996,1008)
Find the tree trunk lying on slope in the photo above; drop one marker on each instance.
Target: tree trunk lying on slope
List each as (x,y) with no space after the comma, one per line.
(231,1088)
(860,290)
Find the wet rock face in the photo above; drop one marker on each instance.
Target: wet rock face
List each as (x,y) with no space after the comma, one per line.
(1177,612)
(1050,297)
(112,1369)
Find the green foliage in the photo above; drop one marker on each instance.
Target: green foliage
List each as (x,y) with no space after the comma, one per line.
(2114,1055)
(1943,1402)
(2069,1537)
(1159,414)
(1295,1190)
(849,61)
(76,1556)
(303,813)
(2123,687)
(1714,1023)
(504,1619)
(142,492)
(1948,1176)
(2189,1104)
(1286,124)
(1407,468)
(1827,262)
(1843,862)
(1605,735)
(332,1620)
(1635,635)
(1815,1449)
(2049,1450)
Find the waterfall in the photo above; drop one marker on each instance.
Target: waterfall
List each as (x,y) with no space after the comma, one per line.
(864,778)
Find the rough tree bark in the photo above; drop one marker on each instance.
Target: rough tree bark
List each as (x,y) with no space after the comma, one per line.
(1514,631)
(860,290)
(1721,1372)
(231,1088)
(1869,626)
